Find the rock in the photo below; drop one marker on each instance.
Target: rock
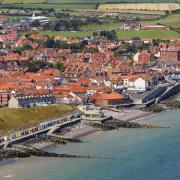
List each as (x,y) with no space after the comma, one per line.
(116,124)
(21,151)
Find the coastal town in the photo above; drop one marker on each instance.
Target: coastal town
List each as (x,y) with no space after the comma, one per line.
(103,77)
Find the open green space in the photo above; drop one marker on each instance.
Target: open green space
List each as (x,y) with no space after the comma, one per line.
(145,34)
(11,119)
(56,6)
(21,1)
(148,34)
(173,20)
(80,34)
(103,26)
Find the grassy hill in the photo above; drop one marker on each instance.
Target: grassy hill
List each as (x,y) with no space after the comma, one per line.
(144,34)
(148,34)
(11,119)
(173,20)
(56,6)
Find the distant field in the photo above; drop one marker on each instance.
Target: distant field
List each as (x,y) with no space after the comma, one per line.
(66,34)
(148,34)
(21,1)
(11,119)
(173,20)
(104,26)
(105,1)
(56,6)
(141,6)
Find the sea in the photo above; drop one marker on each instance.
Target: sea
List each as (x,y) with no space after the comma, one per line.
(125,154)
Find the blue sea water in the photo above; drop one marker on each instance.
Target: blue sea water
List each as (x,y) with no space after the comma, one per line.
(127,154)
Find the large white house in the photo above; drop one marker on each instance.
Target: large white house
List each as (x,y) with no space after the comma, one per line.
(139,85)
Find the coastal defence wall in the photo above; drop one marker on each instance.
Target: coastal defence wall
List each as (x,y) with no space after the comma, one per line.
(171,91)
(38,133)
(154,94)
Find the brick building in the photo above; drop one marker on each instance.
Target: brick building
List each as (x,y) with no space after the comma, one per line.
(144,58)
(4,98)
(170,54)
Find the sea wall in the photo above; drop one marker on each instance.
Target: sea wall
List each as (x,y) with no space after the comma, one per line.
(154,94)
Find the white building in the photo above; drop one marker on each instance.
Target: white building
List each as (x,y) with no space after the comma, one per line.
(41,19)
(139,85)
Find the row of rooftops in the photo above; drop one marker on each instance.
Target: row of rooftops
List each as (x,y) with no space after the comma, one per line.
(83,71)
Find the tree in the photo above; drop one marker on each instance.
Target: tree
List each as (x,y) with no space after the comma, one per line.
(50,65)
(59,66)
(34,66)
(27,47)
(50,43)
(35,23)
(95,34)
(57,26)
(91,50)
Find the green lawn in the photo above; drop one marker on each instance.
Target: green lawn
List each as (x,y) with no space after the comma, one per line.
(11,119)
(172,20)
(21,1)
(148,34)
(66,34)
(17,17)
(104,26)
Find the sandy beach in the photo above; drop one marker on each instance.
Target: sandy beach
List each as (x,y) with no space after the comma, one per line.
(128,115)
(80,130)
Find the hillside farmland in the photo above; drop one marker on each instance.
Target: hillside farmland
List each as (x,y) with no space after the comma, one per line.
(141,6)
(105,1)
(21,1)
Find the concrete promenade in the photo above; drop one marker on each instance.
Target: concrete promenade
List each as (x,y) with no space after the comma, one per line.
(40,132)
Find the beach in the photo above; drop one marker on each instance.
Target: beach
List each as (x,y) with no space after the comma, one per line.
(82,129)
(127,115)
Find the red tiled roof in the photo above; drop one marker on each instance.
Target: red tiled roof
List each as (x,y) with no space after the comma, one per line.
(107,96)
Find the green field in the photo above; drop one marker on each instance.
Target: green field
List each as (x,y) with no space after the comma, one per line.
(56,6)
(66,34)
(21,1)
(148,34)
(145,34)
(104,26)
(173,20)
(11,119)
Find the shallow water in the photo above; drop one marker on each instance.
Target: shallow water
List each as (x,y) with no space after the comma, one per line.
(132,154)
